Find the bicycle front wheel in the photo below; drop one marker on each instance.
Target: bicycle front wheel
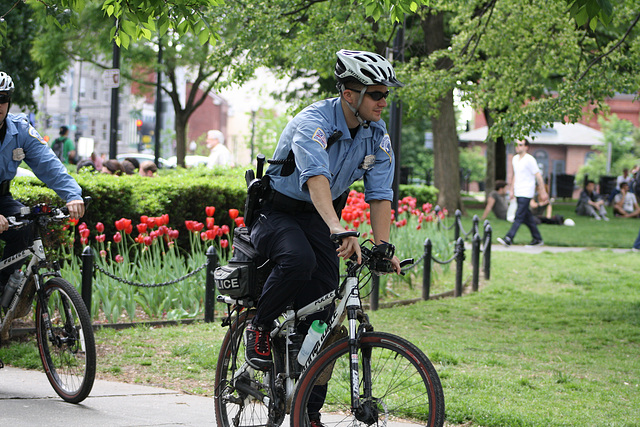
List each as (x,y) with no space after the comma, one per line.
(398,384)
(243,396)
(65,340)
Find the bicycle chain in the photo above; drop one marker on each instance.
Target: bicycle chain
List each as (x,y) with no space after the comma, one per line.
(149,285)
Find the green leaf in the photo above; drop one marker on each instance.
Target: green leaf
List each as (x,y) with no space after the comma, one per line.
(203,37)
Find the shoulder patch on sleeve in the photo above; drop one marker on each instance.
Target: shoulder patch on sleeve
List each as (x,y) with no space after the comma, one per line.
(385,145)
(320,137)
(34,133)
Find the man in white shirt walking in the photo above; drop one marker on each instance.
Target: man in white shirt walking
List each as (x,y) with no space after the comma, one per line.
(526,174)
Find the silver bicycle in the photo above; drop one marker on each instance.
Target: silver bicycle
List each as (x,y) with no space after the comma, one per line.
(361,377)
(63,325)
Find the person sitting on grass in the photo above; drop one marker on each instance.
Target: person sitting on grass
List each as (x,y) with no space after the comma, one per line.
(497,201)
(625,204)
(591,203)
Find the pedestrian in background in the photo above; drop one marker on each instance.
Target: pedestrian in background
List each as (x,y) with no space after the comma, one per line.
(220,155)
(526,174)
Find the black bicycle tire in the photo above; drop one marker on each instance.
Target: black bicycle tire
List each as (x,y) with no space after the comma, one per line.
(79,393)
(381,340)
(230,342)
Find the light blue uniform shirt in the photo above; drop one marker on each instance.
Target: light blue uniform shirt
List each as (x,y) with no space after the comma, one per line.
(368,156)
(23,142)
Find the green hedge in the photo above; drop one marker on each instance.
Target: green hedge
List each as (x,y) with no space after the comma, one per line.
(183,194)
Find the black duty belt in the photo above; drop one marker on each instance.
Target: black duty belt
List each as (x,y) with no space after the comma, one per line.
(4,187)
(283,203)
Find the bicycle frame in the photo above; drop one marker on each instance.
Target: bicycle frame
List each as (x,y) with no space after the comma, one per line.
(38,260)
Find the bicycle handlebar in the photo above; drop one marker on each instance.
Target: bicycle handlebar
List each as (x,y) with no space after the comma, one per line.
(41,210)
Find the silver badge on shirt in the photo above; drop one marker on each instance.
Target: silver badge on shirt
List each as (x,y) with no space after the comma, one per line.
(368,162)
(18,154)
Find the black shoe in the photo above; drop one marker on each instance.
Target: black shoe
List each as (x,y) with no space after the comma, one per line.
(536,242)
(257,347)
(316,423)
(506,241)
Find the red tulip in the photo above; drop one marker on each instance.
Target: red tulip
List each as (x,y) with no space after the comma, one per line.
(203,236)
(154,234)
(142,228)
(117,237)
(100,227)
(103,253)
(151,222)
(240,221)
(198,226)
(148,240)
(210,210)
(224,243)
(233,213)
(73,222)
(84,240)
(210,222)
(119,258)
(162,230)
(173,234)
(164,219)
(84,233)
(100,238)
(189,225)
(211,234)
(144,219)
(225,229)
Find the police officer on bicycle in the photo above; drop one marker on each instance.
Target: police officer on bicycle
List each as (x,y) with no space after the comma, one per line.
(20,141)
(321,152)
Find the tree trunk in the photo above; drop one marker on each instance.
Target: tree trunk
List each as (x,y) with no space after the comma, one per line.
(446,155)
(445,139)
(496,157)
(180,127)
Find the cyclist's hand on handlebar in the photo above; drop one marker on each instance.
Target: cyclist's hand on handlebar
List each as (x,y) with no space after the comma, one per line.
(395,264)
(4,224)
(76,209)
(348,246)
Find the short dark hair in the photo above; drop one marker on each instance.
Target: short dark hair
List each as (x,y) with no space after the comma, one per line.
(625,183)
(500,184)
(134,162)
(63,130)
(589,182)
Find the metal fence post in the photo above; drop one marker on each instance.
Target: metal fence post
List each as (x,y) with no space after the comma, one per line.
(459,265)
(426,274)
(486,258)
(87,276)
(475,261)
(210,289)
(458,216)
(436,213)
(375,292)
(474,226)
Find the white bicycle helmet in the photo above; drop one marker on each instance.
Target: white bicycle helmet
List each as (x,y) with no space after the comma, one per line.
(6,83)
(368,68)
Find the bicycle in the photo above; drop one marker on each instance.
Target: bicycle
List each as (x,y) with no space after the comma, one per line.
(63,326)
(371,378)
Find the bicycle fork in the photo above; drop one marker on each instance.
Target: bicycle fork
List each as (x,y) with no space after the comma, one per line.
(362,405)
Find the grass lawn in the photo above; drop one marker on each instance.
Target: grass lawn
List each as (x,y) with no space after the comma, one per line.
(553,339)
(616,233)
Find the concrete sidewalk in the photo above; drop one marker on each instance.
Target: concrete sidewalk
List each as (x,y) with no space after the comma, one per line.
(27,399)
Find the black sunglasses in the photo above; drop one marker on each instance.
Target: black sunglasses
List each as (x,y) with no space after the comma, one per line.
(376,95)
(5,98)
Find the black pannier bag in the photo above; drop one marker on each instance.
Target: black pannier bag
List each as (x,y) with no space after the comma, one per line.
(246,272)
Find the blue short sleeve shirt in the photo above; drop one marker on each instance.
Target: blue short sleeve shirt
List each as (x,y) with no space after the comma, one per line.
(368,156)
(23,142)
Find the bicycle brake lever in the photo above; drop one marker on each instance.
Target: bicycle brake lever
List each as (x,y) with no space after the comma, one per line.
(13,223)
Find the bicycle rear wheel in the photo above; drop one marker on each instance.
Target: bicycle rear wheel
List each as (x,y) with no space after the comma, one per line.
(398,383)
(243,396)
(65,340)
